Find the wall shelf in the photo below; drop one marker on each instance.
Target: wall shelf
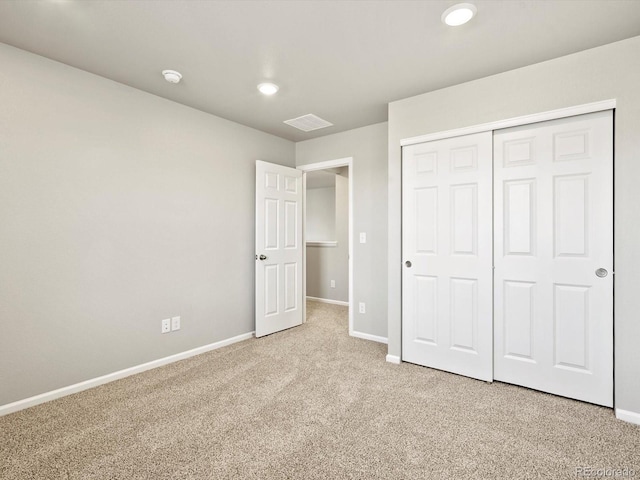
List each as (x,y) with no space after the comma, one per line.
(328,243)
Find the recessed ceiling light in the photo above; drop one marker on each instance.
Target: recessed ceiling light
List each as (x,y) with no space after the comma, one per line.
(171,76)
(459,14)
(268,88)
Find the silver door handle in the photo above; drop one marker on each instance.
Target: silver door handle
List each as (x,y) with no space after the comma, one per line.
(601,272)
(407,264)
(261,257)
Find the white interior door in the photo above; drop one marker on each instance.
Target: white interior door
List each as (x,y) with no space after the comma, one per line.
(279,302)
(447,293)
(553,232)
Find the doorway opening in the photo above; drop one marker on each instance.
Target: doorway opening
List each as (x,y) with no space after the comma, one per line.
(327,233)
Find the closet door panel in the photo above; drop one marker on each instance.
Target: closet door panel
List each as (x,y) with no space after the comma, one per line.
(553,231)
(447,249)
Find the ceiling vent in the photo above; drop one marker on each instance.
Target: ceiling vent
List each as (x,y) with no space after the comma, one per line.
(309,122)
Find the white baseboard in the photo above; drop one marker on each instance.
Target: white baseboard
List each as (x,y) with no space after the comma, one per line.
(327,300)
(393,359)
(368,336)
(627,416)
(94,382)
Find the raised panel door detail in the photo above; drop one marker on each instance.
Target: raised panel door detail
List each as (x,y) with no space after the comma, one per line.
(519,217)
(519,152)
(426,314)
(290,286)
(426,220)
(271,180)
(271,288)
(447,255)
(573,145)
(571,317)
(291,185)
(571,215)
(464,313)
(271,224)
(290,224)
(519,318)
(464,159)
(464,219)
(426,162)
(553,230)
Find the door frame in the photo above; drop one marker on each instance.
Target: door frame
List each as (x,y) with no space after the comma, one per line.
(340,162)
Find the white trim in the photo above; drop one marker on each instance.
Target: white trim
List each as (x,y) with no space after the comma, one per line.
(393,359)
(340,162)
(513,122)
(368,336)
(328,300)
(628,416)
(94,382)
(322,243)
(303,293)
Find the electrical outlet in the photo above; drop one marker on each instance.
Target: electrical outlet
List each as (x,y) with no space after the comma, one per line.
(166,325)
(362,308)
(175,323)
(363,237)
(333,284)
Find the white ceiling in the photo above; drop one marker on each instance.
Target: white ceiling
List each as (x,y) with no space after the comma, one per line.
(341,60)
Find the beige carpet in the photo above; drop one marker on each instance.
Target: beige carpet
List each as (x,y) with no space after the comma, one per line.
(310,403)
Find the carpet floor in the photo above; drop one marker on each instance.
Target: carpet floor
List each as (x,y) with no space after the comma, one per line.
(312,403)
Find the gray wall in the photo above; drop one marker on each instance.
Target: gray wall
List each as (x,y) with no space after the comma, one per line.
(368,147)
(320,208)
(608,72)
(331,263)
(117,209)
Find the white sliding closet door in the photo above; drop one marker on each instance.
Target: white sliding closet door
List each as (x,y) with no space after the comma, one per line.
(447,275)
(554,257)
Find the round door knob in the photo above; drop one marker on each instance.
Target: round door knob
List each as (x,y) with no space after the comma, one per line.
(262,257)
(601,272)
(407,264)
